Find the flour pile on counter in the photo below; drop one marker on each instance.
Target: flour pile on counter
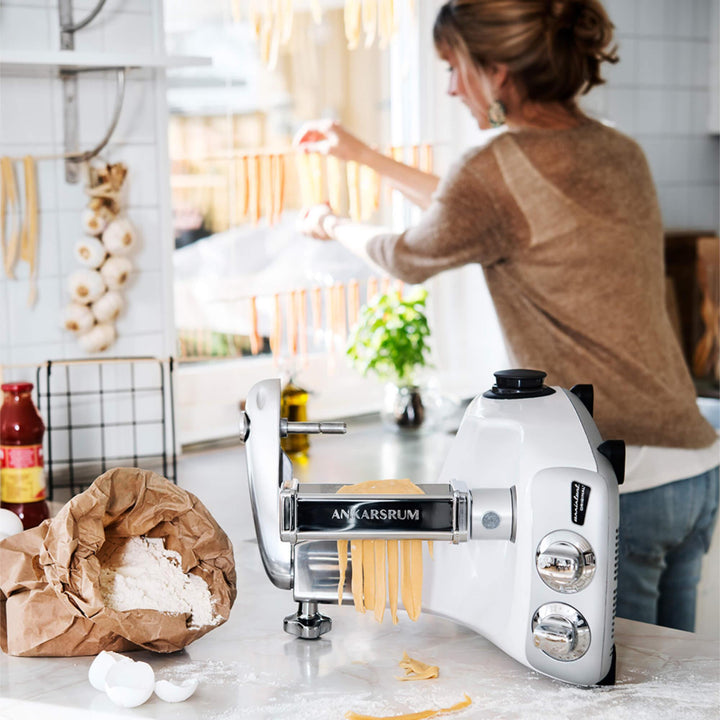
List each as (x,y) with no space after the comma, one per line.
(142,574)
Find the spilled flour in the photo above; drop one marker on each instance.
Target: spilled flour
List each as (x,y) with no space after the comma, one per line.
(143,575)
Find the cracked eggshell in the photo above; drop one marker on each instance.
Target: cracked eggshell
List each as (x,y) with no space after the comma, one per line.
(86,286)
(94,221)
(90,252)
(78,318)
(116,271)
(119,237)
(10,524)
(97,339)
(101,666)
(108,307)
(130,684)
(175,692)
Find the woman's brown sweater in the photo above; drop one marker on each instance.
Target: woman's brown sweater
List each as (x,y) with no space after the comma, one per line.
(567,228)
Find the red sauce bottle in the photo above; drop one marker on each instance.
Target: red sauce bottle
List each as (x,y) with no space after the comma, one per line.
(22,474)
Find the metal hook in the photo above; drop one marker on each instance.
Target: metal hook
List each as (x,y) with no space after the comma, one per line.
(74,27)
(119,95)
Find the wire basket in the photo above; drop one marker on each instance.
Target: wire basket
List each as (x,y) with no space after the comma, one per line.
(105,413)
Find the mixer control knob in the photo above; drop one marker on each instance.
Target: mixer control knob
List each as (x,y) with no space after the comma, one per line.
(565,561)
(560,631)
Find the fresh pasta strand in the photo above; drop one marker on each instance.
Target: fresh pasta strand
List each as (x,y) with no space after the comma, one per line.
(268,186)
(242,184)
(369,21)
(28,249)
(332,168)
(276,336)
(254,194)
(302,162)
(255,340)
(353,184)
(10,250)
(426,158)
(302,317)
(353,23)
(316,178)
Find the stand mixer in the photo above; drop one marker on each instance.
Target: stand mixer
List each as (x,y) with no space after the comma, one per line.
(527,502)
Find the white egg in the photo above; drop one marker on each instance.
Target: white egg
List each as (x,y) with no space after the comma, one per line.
(101,666)
(130,684)
(10,524)
(175,692)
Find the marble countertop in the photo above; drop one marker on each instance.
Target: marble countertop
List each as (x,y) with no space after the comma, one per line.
(250,668)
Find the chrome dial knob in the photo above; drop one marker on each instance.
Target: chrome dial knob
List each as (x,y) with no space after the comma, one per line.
(565,561)
(560,631)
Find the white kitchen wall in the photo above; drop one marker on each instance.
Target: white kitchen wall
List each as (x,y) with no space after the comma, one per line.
(31,122)
(662,94)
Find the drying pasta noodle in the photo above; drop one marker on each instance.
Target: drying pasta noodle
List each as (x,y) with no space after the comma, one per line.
(372,288)
(278,174)
(292,330)
(301,298)
(329,318)
(385,21)
(426,158)
(254,198)
(276,337)
(341,314)
(369,192)
(417,670)
(415,156)
(316,303)
(353,24)
(11,206)
(28,243)
(334,182)
(422,715)
(316,11)
(385,284)
(376,563)
(353,302)
(399,287)
(267,185)
(255,339)
(316,176)
(302,162)
(286,21)
(369,20)
(353,183)
(242,183)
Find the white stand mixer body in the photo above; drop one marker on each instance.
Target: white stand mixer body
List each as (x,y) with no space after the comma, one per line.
(546,448)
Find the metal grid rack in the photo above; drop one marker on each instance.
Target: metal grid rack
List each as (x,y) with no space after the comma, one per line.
(105,413)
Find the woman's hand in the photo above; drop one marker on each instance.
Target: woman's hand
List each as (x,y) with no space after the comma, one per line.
(330,138)
(317,222)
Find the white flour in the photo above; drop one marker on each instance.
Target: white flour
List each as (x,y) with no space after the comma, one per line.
(142,574)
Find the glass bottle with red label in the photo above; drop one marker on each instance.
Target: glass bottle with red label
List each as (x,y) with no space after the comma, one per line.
(22,473)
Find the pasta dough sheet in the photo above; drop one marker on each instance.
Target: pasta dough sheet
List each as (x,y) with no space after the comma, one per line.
(417,670)
(422,715)
(377,563)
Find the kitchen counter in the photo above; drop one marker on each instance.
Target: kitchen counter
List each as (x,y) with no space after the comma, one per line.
(249,668)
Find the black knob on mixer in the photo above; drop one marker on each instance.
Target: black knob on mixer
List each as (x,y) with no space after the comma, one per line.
(518,383)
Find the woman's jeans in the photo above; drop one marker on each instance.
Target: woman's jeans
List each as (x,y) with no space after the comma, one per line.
(664,533)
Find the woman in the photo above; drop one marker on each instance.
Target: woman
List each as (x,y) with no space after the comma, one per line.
(561,213)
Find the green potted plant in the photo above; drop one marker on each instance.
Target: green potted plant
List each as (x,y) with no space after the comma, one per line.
(390,341)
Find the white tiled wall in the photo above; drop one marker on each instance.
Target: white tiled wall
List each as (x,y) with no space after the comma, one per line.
(660,93)
(31,122)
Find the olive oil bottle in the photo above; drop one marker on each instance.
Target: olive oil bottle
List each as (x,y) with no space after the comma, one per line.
(293,406)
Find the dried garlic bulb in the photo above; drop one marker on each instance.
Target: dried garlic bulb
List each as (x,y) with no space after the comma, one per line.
(90,252)
(86,286)
(78,318)
(119,237)
(95,221)
(108,307)
(98,339)
(116,271)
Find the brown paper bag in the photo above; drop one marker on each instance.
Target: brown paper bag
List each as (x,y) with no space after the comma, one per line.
(50,599)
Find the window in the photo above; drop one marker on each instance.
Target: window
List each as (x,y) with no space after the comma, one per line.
(253,298)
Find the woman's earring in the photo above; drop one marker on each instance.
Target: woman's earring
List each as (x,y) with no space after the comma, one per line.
(497,113)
